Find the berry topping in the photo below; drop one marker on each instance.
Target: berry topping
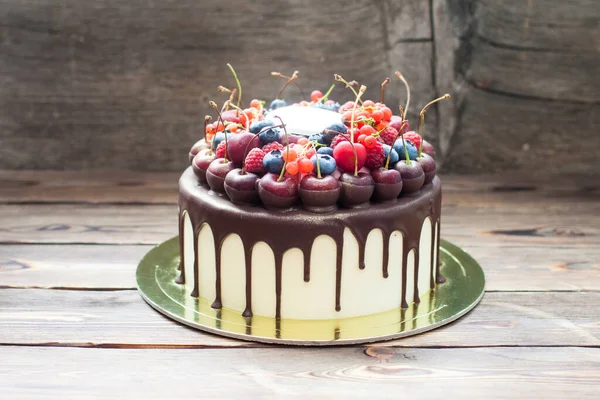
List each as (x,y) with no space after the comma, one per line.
(325,150)
(220,151)
(316,95)
(272,146)
(414,138)
(292,167)
(338,139)
(375,154)
(278,103)
(254,161)
(394,157)
(388,135)
(411,148)
(327,164)
(345,157)
(273,161)
(269,135)
(306,166)
(258,126)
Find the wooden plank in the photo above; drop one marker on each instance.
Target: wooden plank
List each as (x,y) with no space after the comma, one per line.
(122,319)
(125,85)
(350,373)
(575,222)
(565,26)
(508,267)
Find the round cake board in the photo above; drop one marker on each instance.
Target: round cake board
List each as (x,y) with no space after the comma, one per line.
(463,289)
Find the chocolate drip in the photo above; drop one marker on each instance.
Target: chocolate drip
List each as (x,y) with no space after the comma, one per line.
(278,273)
(299,228)
(386,254)
(431,254)
(195,291)
(248,261)
(416,285)
(181,278)
(439,278)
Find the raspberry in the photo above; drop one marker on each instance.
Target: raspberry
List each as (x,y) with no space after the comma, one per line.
(272,146)
(220,151)
(375,156)
(388,135)
(413,137)
(254,161)
(338,139)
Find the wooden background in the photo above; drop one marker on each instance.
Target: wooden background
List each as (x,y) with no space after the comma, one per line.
(123,84)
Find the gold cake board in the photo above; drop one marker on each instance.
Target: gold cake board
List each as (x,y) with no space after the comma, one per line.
(463,289)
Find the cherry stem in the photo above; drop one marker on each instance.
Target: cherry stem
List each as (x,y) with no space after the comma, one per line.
(324,98)
(358,95)
(387,161)
(422,118)
(287,146)
(348,85)
(289,80)
(214,105)
(237,81)
(405,110)
(248,144)
(280,75)
(385,82)
(405,151)
(402,114)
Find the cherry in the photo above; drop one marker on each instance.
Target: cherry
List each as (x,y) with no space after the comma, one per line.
(412,174)
(216,172)
(319,195)
(356,189)
(428,164)
(238,146)
(388,184)
(428,149)
(240,186)
(277,192)
(345,159)
(201,162)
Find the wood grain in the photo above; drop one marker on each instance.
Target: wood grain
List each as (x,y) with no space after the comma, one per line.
(125,84)
(301,373)
(508,267)
(122,319)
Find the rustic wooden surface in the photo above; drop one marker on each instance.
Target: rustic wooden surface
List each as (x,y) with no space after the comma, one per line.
(72,324)
(124,84)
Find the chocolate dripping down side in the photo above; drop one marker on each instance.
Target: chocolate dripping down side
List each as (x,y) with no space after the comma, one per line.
(298,228)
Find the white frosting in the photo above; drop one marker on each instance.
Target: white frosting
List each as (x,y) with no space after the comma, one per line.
(363,291)
(305,121)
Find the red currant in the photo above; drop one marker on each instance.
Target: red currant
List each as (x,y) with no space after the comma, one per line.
(255,103)
(377,115)
(370,142)
(316,95)
(367,130)
(387,113)
(306,166)
(291,168)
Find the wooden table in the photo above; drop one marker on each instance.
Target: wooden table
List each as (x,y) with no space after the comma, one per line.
(72,324)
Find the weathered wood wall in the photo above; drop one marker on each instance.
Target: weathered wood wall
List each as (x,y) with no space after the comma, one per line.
(125,84)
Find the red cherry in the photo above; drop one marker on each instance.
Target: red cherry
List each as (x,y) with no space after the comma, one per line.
(367,130)
(316,95)
(370,142)
(344,155)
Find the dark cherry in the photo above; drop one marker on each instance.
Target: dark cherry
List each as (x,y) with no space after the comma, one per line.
(319,195)
(356,190)
(196,148)
(236,146)
(277,194)
(201,162)
(396,123)
(388,184)
(241,187)
(428,164)
(232,116)
(216,173)
(428,148)
(413,176)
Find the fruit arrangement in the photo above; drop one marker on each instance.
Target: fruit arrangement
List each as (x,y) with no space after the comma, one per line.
(370,155)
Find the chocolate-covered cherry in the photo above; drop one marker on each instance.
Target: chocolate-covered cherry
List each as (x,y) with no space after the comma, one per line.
(428,164)
(388,184)
(201,162)
(356,190)
(199,145)
(277,194)
(319,195)
(240,186)
(412,174)
(237,145)
(216,173)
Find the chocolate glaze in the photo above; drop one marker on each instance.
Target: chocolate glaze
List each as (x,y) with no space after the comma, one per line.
(282,230)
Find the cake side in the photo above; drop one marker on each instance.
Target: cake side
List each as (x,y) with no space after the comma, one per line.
(297,264)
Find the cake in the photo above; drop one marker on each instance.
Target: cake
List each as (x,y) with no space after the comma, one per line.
(310,211)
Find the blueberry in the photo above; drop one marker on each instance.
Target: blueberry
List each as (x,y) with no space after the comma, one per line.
(394,158)
(326,163)
(412,150)
(333,130)
(219,137)
(278,103)
(260,125)
(325,150)
(270,135)
(319,138)
(273,161)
